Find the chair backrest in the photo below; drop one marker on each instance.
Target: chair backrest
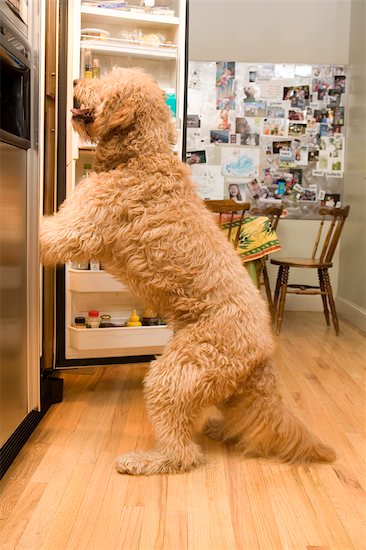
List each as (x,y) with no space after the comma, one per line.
(337,218)
(272,212)
(236,212)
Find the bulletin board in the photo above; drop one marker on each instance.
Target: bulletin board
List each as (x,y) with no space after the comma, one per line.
(268,133)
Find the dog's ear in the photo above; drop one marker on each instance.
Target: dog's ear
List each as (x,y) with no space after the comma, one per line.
(113,112)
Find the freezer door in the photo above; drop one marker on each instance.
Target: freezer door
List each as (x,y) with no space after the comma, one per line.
(13,289)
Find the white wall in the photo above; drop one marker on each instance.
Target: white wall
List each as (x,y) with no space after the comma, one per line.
(276,31)
(351,299)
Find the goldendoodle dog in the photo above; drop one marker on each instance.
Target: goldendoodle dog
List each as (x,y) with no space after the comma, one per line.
(140,215)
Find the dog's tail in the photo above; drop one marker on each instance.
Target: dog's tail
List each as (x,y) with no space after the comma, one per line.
(260,425)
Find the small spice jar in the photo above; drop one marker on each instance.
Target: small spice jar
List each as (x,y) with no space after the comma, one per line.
(105,321)
(93,319)
(79,322)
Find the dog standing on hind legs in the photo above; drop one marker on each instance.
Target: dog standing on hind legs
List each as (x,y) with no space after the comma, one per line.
(139,215)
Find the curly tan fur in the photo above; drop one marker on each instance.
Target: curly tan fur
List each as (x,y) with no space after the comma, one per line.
(140,215)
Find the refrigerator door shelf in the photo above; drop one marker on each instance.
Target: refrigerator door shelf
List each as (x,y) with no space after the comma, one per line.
(97,16)
(94,281)
(116,48)
(124,341)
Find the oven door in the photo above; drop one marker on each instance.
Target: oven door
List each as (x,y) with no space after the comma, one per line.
(14,87)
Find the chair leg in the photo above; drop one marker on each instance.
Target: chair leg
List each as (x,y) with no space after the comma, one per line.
(324,296)
(281,307)
(328,288)
(268,290)
(258,273)
(277,290)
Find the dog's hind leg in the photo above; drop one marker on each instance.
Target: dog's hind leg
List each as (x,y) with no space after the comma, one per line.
(259,422)
(177,388)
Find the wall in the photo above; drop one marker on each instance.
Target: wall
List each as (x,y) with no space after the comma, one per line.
(278,31)
(351,299)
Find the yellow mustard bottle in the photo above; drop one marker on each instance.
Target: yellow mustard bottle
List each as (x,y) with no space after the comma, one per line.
(134,320)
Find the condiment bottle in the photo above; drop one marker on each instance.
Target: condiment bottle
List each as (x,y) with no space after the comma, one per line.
(134,320)
(88,72)
(93,319)
(149,318)
(79,322)
(96,68)
(105,321)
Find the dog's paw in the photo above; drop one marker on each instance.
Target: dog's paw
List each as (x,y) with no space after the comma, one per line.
(214,429)
(153,462)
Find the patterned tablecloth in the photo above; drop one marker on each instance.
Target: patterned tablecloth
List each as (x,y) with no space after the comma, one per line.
(257,238)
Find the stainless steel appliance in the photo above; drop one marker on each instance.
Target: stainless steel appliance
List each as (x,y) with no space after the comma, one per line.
(14,144)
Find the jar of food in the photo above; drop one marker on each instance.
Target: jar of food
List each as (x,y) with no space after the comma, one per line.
(79,322)
(93,319)
(105,321)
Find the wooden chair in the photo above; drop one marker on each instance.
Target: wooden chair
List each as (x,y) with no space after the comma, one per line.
(273,213)
(322,264)
(236,211)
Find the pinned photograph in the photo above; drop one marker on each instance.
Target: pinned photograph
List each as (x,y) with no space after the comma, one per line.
(278,145)
(255,108)
(296,129)
(300,152)
(252,76)
(337,115)
(268,149)
(276,110)
(249,130)
(195,157)
(254,188)
(193,121)
(225,74)
(240,162)
(339,70)
(296,115)
(270,194)
(331,200)
(219,136)
(235,139)
(313,155)
(323,130)
(251,93)
(321,115)
(236,192)
(296,92)
(276,127)
(296,176)
(340,83)
(308,195)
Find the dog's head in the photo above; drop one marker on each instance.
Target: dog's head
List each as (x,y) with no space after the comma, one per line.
(126,101)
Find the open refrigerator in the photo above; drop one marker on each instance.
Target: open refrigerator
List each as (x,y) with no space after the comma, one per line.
(99,36)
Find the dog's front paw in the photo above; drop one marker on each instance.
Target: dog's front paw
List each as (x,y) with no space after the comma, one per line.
(154,462)
(214,429)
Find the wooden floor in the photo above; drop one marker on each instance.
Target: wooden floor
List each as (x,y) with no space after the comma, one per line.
(62,492)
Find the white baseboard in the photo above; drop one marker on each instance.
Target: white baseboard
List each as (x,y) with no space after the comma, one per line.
(351,312)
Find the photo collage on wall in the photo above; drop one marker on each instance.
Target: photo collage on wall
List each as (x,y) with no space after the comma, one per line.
(268,133)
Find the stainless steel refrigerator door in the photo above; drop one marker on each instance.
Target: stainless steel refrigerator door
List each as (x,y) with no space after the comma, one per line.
(13,289)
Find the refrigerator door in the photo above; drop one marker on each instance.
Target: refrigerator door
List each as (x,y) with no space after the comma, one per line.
(13,289)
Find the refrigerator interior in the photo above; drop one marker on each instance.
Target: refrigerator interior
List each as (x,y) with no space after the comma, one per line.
(84,289)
